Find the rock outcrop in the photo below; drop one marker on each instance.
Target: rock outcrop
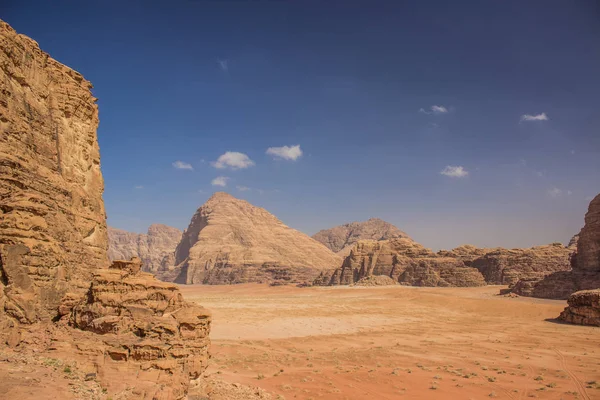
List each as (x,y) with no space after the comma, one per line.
(341,239)
(131,327)
(375,280)
(141,326)
(508,266)
(583,308)
(406,262)
(231,241)
(585,263)
(156,248)
(52,219)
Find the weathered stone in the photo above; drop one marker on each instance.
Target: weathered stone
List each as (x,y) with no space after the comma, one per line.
(507,266)
(231,241)
(156,248)
(405,261)
(341,239)
(585,263)
(50,180)
(583,308)
(144,323)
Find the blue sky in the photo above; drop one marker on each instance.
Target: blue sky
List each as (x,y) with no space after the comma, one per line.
(381,97)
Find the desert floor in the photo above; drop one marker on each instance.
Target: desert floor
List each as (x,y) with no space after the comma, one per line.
(398,342)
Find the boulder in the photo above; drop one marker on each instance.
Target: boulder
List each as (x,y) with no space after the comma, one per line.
(583,308)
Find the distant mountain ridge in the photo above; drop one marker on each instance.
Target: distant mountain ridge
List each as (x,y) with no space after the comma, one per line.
(340,239)
(155,248)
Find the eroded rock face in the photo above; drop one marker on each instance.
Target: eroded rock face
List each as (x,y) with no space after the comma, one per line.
(341,239)
(585,263)
(156,248)
(406,262)
(52,219)
(231,241)
(508,266)
(143,326)
(583,309)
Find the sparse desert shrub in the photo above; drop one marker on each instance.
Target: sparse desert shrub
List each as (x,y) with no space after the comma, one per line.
(260,376)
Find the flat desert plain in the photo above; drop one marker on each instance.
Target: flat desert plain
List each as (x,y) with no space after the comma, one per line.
(397,342)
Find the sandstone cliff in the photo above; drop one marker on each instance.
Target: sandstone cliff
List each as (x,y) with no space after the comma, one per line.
(405,261)
(156,248)
(585,263)
(52,220)
(231,241)
(341,239)
(127,326)
(507,266)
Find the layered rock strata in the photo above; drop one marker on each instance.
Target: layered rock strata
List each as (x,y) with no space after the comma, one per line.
(583,309)
(231,241)
(52,219)
(140,325)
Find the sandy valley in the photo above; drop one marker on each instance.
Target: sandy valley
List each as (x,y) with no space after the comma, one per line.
(398,342)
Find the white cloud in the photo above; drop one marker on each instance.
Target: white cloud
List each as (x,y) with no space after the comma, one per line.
(455,171)
(183,165)
(242,188)
(286,152)
(555,192)
(569,192)
(138,187)
(220,181)
(572,152)
(223,64)
(539,117)
(435,110)
(233,160)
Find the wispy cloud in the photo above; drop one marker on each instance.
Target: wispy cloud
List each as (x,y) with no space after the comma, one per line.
(220,181)
(538,117)
(183,165)
(286,152)
(224,65)
(435,110)
(138,187)
(555,192)
(242,188)
(233,160)
(455,171)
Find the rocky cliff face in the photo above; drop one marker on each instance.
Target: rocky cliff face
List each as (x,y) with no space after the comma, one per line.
(507,266)
(405,261)
(341,239)
(583,308)
(585,263)
(52,220)
(231,241)
(156,248)
(129,327)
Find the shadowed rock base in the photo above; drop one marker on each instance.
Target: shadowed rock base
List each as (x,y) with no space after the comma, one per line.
(583,309)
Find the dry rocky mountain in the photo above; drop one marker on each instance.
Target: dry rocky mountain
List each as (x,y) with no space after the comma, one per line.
(156,248)
(409,263)
(123,329)
(341,239)
(231,241)
(585,262)
(403,260)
